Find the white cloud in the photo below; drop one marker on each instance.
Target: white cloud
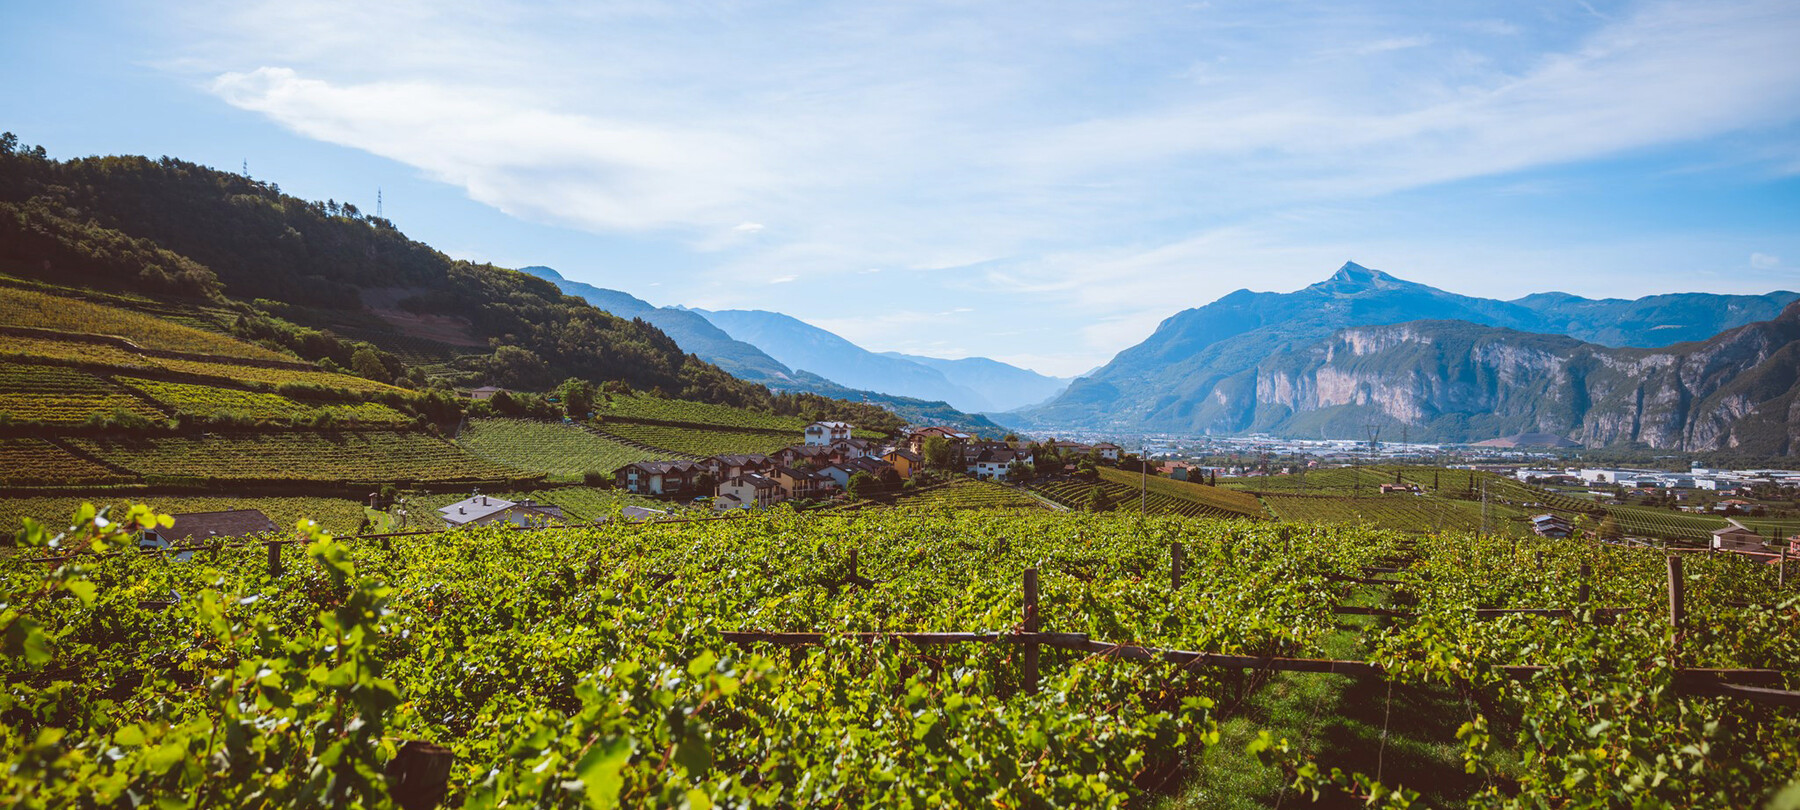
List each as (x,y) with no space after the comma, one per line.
(748,227)
(1763,261)
(787,279)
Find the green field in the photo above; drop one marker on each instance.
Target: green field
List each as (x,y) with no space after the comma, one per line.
(645,407)
(701,442)
(556,448)
(1130,498)
(334,514)
(354,456)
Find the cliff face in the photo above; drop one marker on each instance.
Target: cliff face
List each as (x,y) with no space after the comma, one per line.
(1455,381)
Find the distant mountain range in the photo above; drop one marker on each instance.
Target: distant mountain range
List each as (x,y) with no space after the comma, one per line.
(786,353)
(1363,347)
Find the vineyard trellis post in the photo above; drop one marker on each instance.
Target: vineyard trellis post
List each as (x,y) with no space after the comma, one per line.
(1585,574)
(274,559)
(1677,605)
(1177,561)
(1030,676)
(853,564)
(1781,570)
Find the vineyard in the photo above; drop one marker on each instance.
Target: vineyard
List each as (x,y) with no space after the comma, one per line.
(55,395)
(360,456)
(546,447)
(39,310)
(1223,500)
(960,493)
(112,358)
(1077,494)
(632,665)
(700,442)
(212,401)
(27,461)
(1398,512)
(639,407)
(334,514)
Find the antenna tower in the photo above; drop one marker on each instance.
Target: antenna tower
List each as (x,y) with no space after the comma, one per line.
(378,203)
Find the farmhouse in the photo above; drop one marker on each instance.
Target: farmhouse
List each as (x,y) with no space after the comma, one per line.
(732,466)
(1551,525)
(751,490)
(198,527)
(915,441)
(1737,538)
(825,433)
(1108,451)
(486,510)
(905,461)
(657,477)
(801,483)
(486,392)
(986,463)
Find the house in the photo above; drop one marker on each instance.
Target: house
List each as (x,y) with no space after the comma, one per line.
(1390,488)
(657,477)
(987,463)
(814,455)
(855,448)
(486,510)
(801,483)
(1108,451)
(824,433)
(1737,538)
(195,528)
(915,441)
(750,490)
(841,472)
(1551,525)
(732,466)
(906,462)
(486,392)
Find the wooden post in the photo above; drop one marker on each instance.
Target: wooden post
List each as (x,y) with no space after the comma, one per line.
(1781,570)
(1177,562)
(274,559)
(1030,675)
(1585,572)
(420,774)
(1677,607)
(853,563)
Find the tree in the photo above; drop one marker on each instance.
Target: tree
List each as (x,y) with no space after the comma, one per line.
(863,485)
(891,480)
(941,454)
(367,364)
(1609,529)
(705,484)
(1019,472)
(577,397)
(1097,500)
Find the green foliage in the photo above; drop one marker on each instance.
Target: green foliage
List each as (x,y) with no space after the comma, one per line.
(699,442)
(547,447)
(359,456)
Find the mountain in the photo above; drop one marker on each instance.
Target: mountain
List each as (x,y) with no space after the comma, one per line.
(698,336)
(1003,385)
(1451,380)
(801,345)
(1651,321)
(693,332)
(1199,371)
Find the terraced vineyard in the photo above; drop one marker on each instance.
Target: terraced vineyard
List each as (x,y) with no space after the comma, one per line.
(1127,498)
(701,441)
(206,400)
(1334,481)
(1398,512)
(643,406)
(55,395)
(1219,498)
(562,450)
(1645,521)
(30,461)
(39,310)
(111,358)
(356,456)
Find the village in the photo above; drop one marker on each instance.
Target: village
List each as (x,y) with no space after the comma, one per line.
(829,462)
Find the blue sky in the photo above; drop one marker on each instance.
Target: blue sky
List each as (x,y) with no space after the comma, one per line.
(1040,183)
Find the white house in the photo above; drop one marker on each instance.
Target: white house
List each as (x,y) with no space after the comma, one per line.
(824,433)
(483,510)
(752,490)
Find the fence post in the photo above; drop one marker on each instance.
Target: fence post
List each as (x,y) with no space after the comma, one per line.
(1177,566)
(1586,573)
(420,774)
(1677,607)
(853,563)
(1031,626)
(274,559)
(1781,570)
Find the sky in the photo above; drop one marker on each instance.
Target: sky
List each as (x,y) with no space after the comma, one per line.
(1038,183)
